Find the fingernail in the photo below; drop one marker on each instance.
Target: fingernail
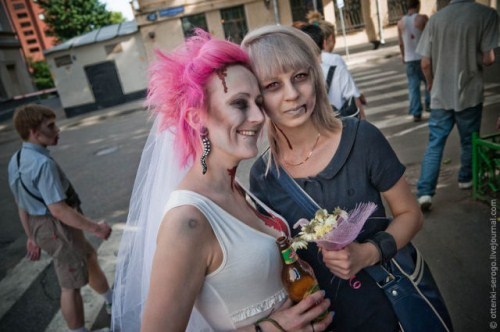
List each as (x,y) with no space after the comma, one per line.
(332,313)
(323,292)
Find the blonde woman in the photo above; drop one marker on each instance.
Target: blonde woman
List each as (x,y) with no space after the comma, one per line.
(338,163)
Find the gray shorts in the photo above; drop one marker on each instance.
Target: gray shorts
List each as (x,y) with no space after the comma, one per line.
(67,246)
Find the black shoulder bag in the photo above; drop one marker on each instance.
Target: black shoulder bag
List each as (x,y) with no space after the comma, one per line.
(349,109)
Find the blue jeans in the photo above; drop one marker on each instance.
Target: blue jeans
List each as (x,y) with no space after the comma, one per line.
(441,123)
(415,77)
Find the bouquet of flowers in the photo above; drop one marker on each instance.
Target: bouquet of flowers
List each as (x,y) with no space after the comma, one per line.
(333,231)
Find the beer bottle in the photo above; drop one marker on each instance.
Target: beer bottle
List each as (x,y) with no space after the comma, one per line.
(297,275)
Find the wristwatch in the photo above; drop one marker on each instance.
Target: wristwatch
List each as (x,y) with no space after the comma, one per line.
(385,244)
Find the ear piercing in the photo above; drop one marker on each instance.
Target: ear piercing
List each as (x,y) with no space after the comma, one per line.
(206,148)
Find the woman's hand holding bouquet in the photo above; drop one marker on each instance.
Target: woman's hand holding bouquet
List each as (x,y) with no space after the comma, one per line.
(334,234)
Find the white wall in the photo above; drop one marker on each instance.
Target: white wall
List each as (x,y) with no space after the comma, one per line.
(71,81)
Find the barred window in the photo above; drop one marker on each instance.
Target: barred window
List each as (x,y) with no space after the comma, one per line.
(234,23)
(353,17)
(63,60)
(189,23)
(300,8)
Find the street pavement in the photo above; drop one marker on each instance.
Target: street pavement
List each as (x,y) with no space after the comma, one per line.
(100,152)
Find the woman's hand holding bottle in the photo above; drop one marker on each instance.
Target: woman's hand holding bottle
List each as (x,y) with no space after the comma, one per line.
(300,317)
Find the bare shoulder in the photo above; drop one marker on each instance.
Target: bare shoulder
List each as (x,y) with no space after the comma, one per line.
(184,223)
(400,23)
(421,21)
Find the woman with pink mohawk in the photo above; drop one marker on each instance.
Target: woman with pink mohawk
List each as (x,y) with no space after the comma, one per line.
(196,255)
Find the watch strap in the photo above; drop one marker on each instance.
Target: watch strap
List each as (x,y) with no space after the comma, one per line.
(385,244)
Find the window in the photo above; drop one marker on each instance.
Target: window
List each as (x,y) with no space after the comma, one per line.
(25,24)
(193,21)
(234,23)
(19,6)
(397,9)
(300,8)
(34,49)
(28,33)
(22,15)
(31,41)
(113,48)
(353,18)
(63,60)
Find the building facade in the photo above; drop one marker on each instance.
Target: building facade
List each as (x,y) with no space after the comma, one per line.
(99,69)
(15,80)
(27,19)
(165,24)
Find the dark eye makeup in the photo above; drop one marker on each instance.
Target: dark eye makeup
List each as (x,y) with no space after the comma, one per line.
(241,104)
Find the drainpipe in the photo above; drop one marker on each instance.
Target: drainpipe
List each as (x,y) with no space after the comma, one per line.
(276,12)
(380,27)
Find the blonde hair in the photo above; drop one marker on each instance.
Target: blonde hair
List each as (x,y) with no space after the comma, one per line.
(276,49)
(327,28)
(315,17)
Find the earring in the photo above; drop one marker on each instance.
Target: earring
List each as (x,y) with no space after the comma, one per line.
(206,148)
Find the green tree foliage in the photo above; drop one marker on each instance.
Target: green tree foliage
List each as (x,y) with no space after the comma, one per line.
(117,17)
(70,18)
(41,75)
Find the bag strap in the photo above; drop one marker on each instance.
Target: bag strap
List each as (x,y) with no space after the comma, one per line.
(18,158)
(329,77)
(307,204)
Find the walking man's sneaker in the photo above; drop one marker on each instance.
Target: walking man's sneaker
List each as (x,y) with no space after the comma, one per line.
(425,202)
(465,185)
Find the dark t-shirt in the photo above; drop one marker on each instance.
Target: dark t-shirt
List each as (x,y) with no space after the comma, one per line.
(363,166)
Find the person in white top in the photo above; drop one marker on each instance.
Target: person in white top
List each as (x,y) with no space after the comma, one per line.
(410,29)
(342,86)
(216,266)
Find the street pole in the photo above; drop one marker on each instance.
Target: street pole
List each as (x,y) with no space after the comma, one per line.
(380,27)
(276,12)
(340,5)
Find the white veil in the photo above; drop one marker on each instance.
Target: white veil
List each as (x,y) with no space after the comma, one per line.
(158,175)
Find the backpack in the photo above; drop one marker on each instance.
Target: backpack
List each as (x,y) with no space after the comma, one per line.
(349,108)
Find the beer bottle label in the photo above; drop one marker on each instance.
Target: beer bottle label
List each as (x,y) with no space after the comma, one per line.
(289,255)
(314,288)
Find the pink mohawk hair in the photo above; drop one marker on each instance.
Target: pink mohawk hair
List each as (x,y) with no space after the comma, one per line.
(177,83)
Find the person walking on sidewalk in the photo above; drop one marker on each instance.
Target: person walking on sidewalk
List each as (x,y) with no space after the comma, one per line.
(410,28)
(455,45)
(328,57)
(49,209)
(340,85)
